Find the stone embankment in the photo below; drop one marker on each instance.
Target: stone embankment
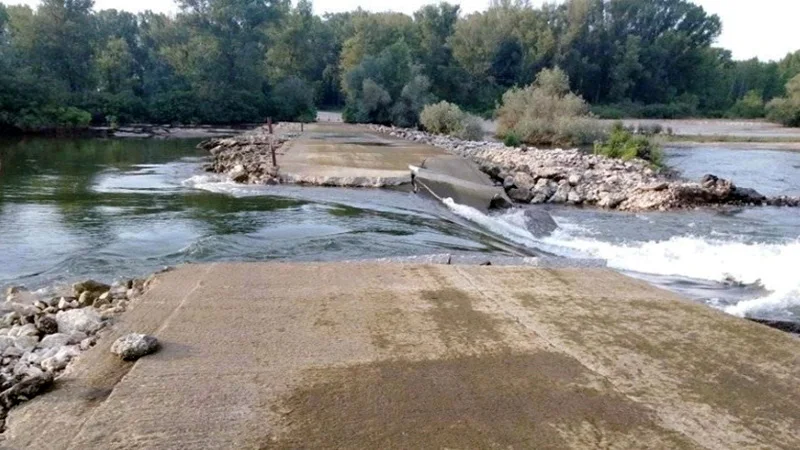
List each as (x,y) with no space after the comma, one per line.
(246,158)
(39,336)
(532,175)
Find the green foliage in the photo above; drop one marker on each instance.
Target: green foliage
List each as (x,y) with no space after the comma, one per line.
(442,118)
(511,139)
(386,88)
(547,113)
(447,118)
(786,110)
(226,61)
(293,100)
(749,107)
(623,144)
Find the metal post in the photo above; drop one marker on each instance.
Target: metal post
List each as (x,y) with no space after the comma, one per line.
(269,124)
(301,127)
(272,151)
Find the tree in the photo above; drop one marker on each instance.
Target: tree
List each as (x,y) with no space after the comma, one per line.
(293,100)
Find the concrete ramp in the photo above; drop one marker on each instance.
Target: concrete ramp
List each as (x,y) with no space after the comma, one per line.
(455,177)
(409,356)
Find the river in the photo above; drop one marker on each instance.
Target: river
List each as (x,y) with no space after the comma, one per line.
(72,209)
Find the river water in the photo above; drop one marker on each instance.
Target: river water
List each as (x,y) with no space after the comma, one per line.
(72,209)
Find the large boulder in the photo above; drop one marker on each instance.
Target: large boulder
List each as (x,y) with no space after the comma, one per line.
(524,181)
(85,320)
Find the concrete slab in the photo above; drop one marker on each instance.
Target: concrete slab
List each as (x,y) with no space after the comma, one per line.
(335,154)
(364,355)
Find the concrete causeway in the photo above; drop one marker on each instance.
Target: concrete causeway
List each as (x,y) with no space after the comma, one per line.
(350,156)
(366,355)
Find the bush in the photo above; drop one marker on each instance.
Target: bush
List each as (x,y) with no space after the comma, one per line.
(787,110)
(623,144)
(441,118)
(52,118)
(751,106)
(447,118)
(784,111)
(511,139)
(547,113)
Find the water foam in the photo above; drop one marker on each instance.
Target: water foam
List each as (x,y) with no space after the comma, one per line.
(710,258)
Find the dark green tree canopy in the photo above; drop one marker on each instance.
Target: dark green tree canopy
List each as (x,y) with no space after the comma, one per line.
(224,61)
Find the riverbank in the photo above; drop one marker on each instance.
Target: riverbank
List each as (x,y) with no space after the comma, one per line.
(536,176)
(304,366)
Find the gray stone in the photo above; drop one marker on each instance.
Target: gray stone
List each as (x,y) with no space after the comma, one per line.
(561,195)
(27,330)
(574,198)
(520,195)
(64,303)
(118,291)
(86,320)
(103,300)
(524,181)
(22,309)
(13,352)
(6,342)
(133,346)
(574,180)
(26,343)
(60,360)
(55,340)
(88,343)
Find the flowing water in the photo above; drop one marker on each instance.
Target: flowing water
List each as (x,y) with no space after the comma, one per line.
(71,209)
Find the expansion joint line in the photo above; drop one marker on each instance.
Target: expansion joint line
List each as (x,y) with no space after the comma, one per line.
(169,318)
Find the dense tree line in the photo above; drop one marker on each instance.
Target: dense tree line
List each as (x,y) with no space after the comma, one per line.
(231,61)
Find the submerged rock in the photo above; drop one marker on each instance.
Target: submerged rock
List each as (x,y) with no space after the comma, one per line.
(540,223)
(133,346)
(91,286)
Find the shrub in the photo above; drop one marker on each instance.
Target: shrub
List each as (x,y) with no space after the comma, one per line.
(511,139)
(784,111)
(621,143)
(447,118)
(547,113)
(751,106)
(441,118)
(787,110)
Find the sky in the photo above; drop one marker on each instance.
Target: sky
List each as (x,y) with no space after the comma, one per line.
(765,28)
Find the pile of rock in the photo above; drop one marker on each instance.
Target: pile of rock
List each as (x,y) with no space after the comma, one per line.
(40,336)
(246,158)
(532,175)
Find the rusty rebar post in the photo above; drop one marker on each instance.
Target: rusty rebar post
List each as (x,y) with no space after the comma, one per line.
(272,151)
